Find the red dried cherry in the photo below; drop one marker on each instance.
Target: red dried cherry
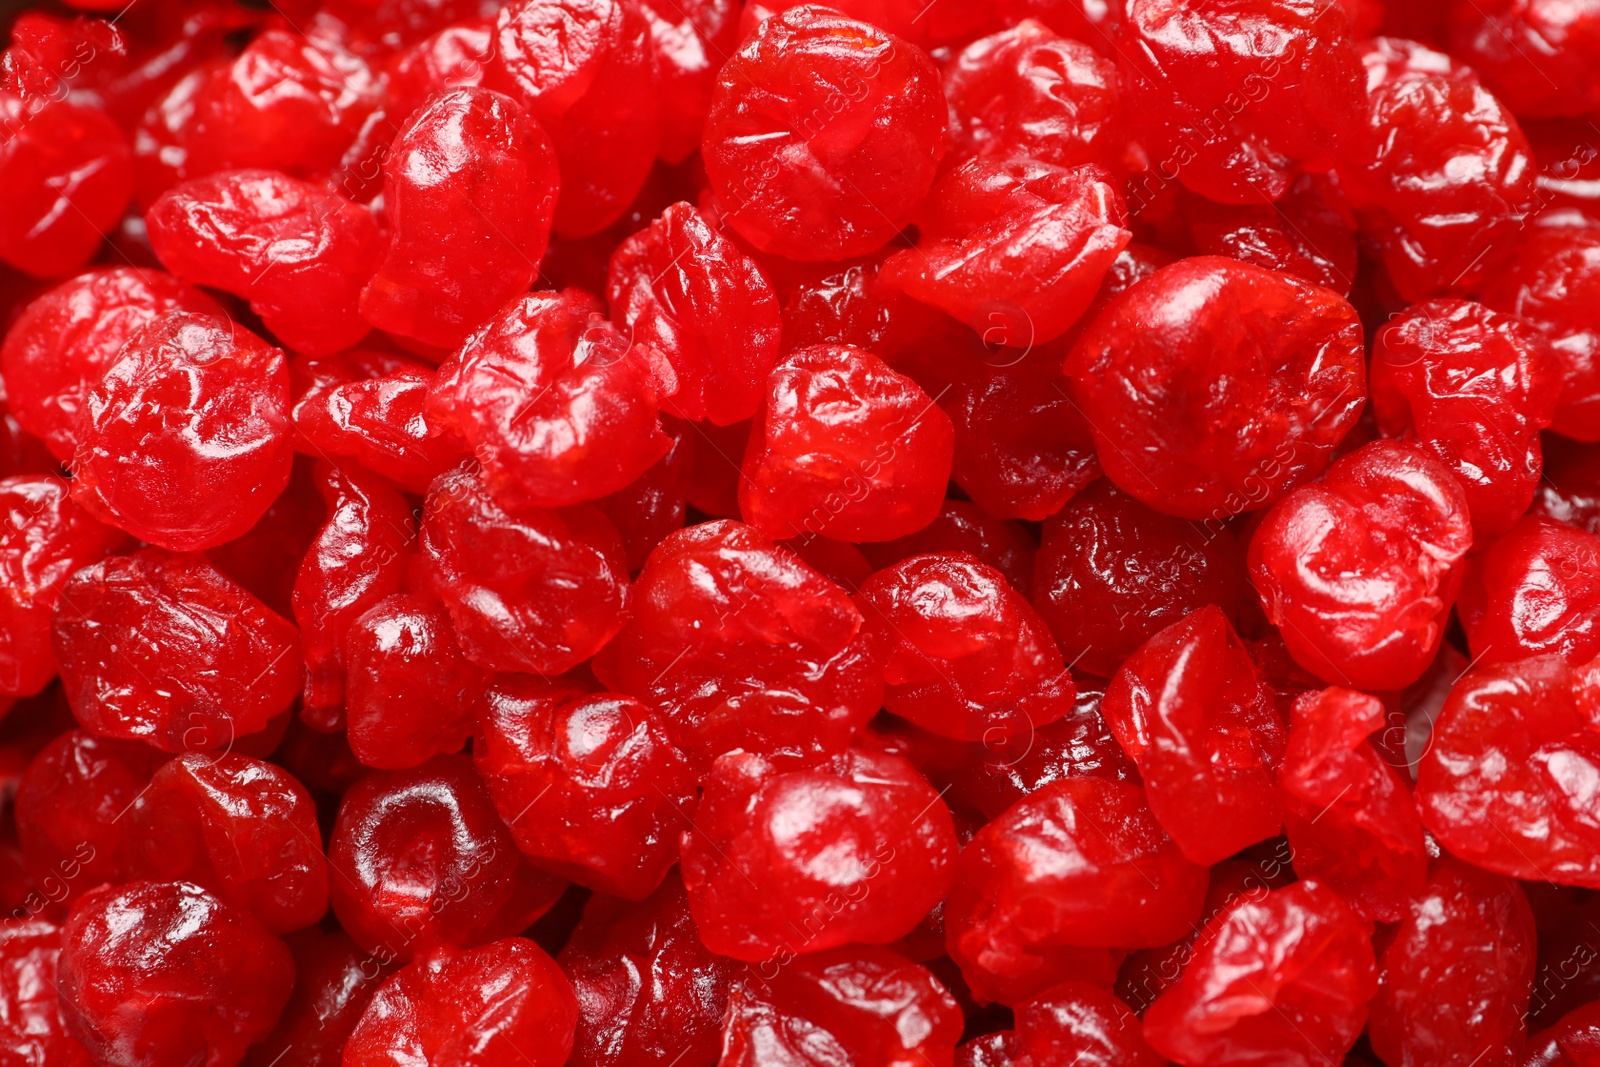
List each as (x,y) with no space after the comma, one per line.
(1554,284)
(1283,979)
(1029,92)
(1080,1023)
(1500,41)
(68,175)
(844,447)
(1475,387)
(962,526)
(185,443)
(357,558)
(504,1002)
(158,973)
(381,424)
(469,190)
(164,649)
(964,654)
(654,504)
(781,863)
(1212,386)
(420,860)
(648,989)
(536,390)
(863,1004)
(1015,249)
(737,643)
(824,135)
(1239,98)
(72,809)
(410,693)
(32,1030)
(586,70)
(588,784)
(285,103)
(1454,981)
(1079,864)
(1504,782)
(1191,710)
(1309,232)
(66,340)
(298,254)
(691,39)
(1359,569)
(1348,814)
(1535,592)
(691,293)
(242,828)
(44,539)
(333,981)
(1442,177)
(539,590)
(1112,572)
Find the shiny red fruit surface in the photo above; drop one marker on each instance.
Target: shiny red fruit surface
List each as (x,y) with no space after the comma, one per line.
(767,533)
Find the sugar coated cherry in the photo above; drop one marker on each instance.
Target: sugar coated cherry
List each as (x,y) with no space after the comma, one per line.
(190,482)
(1284,979)
(1204,82)
(1348,814)
(470,187)
(1079,864)
(844,447)
(537,590)
(298,254)
(859,1005)
(243,828)
(1454,982)
(419,860)
(824,133)
(1359,569)
(737,643)
(157,973)
(964,654)
(44,539)
(506,1001)
(1214,386)
(589,784)
(163,648)
(64,342)
(1475,387)
(1193,713)
(648,989)
(689,291)
(1111,572)
(1503,781)
(1536,591)
(778,863)
(538,387)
